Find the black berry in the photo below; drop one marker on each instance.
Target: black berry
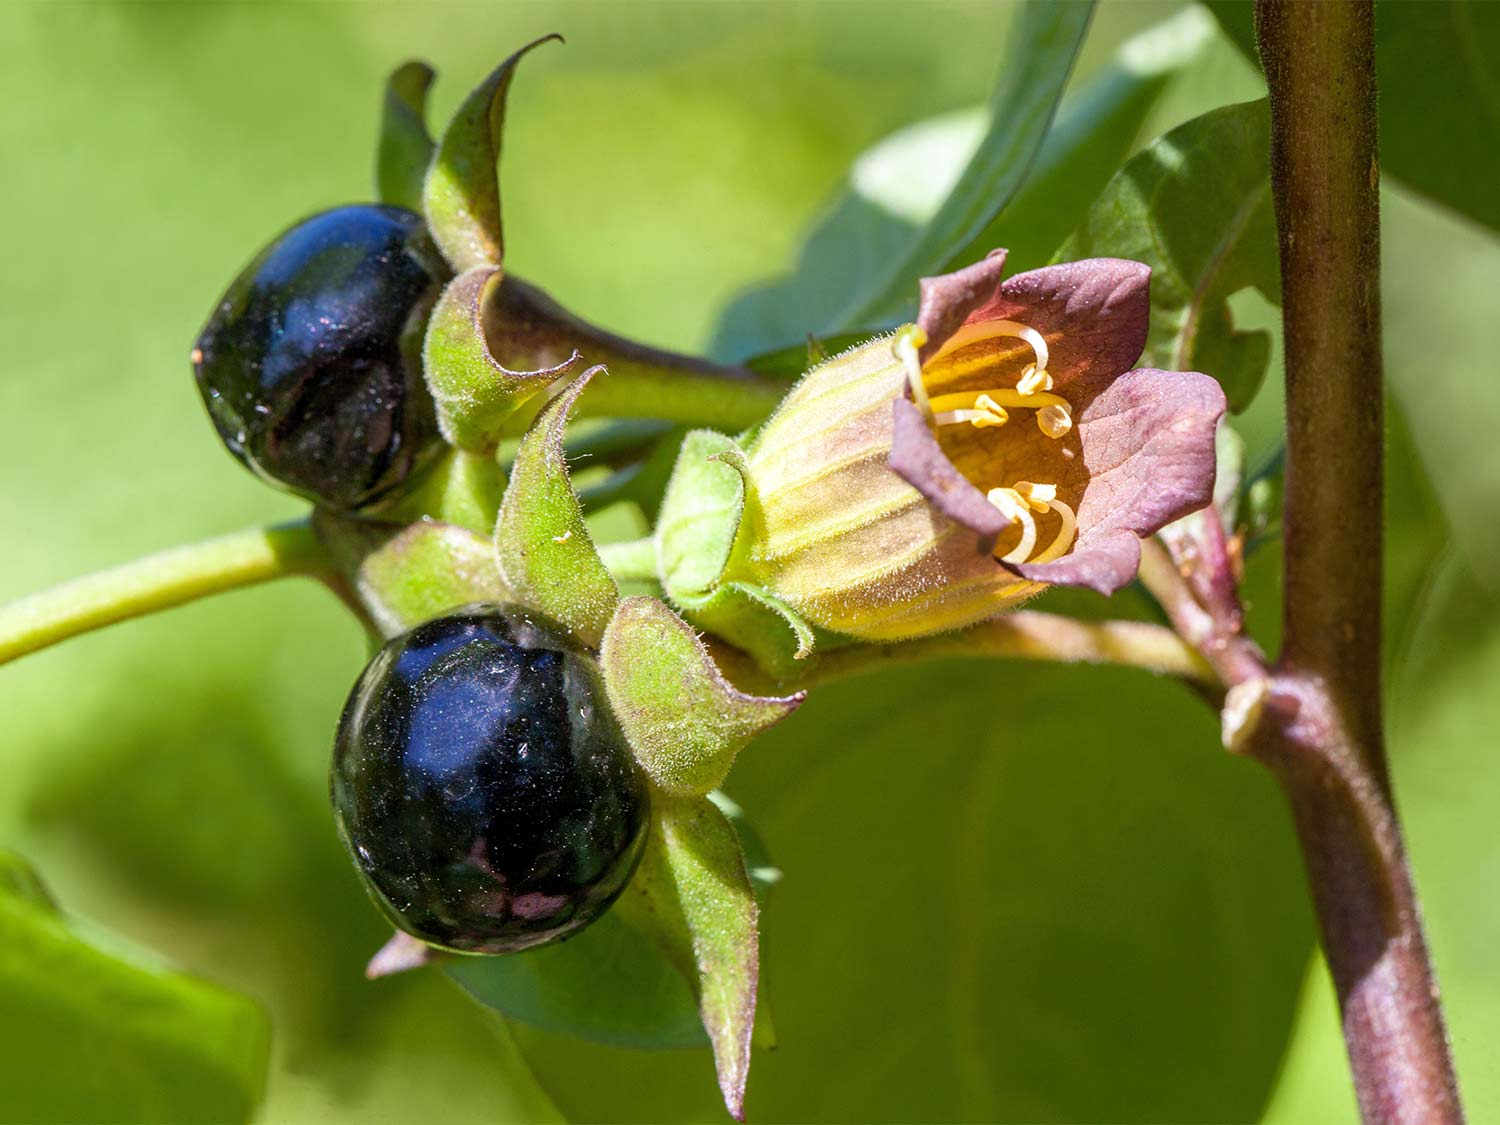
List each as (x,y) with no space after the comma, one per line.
(311,363)
(482,786)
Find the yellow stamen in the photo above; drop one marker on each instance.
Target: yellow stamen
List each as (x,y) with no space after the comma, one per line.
(999,397)
(993,329)
(908,342)
(1054,420)
(1009,501)
(1064,540)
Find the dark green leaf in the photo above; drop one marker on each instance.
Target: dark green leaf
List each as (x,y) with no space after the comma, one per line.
(1439,96)
(977,899)
(898,185)
(612,983)
(146,1043)
(1037,64)
(405,146)
(1196,207)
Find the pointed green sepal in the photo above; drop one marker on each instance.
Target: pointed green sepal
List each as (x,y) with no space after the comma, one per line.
(683,719)
(405,148)
(461,194)
(693,895)
(543,546)
(751,618)
(475,393)
(701,514)
(708,502)
(404,575)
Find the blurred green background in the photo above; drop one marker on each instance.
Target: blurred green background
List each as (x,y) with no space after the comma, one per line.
(1078,909)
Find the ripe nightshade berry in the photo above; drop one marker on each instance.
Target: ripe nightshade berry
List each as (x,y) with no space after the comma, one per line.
(310,365)
(482,786)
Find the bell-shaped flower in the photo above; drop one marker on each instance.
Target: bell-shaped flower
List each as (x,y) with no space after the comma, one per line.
(1002,444)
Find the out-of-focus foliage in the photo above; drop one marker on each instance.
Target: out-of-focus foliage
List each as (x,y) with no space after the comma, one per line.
(1068,905)
(900,188)
(148,1043)
(1439,80)
(1195,206)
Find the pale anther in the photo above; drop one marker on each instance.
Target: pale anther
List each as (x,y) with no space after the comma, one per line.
(1038,496)
(1054,421)
(1033,379)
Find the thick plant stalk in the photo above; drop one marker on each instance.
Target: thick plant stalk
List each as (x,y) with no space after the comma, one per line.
(1321,730)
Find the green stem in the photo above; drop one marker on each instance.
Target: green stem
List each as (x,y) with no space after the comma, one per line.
(632,561)
(528,330)
(158,582)
(1029,635)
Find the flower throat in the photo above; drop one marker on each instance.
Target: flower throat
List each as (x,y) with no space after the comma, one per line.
(1022,500)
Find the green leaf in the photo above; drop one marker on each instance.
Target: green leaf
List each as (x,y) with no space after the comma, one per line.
(1196,207)
(1095,131)
(461,194)
(405,146)
(973,897)
(147,1043)
(1440,348)
(898,185)
(693,893)
(1439,84)
(684,721)
(1037,64)
(610,984)
(474,392)
(541,540)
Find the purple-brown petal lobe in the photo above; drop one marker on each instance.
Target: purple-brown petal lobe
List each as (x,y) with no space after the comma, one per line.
(1105,565)
(1094,314)
(948,300)
(1148,448)
(917,458)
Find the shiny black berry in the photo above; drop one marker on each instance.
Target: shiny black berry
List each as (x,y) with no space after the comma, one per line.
(482,786)
(311,363)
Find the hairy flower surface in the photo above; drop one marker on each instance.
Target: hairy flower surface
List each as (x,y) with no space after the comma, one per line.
(929,480)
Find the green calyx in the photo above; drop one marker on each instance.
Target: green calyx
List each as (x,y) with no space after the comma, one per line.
(685,721)
(707,521)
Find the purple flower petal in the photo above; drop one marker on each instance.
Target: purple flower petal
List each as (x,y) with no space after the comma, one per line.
(948,300)
(1094,314)
(1148,448)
